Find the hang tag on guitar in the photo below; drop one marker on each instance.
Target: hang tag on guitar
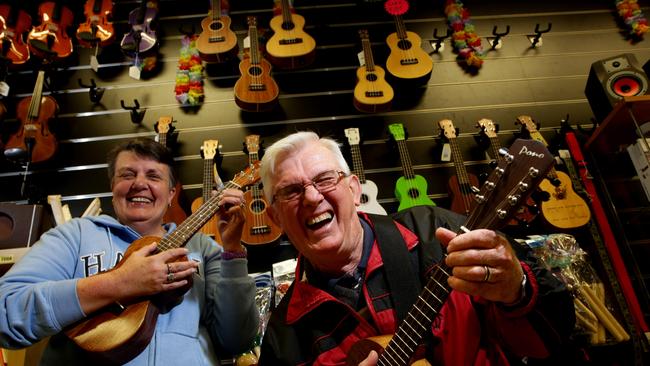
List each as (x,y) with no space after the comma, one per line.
(362,58)
(247,42)
(446,153)
(4,89)
(134,72)
(94,63)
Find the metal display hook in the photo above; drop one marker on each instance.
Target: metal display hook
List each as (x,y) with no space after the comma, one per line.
(136,115)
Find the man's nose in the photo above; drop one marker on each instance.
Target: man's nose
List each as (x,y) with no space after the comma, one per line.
(311,194)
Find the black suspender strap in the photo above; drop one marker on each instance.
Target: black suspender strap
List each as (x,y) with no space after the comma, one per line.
(403,282)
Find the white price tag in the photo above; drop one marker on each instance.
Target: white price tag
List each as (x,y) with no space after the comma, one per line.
(247,42)
(446,153)
(362,58)
(134,72)
(4,89)
(94,63)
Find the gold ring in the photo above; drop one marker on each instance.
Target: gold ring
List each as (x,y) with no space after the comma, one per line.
(169,268)
(487,274)
(170,277)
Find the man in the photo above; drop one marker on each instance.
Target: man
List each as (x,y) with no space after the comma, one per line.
(67,274)
(499,304)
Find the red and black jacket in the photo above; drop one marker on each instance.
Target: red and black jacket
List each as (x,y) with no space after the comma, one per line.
(310,326)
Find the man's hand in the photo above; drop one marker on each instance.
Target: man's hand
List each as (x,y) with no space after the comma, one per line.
(483,263)
(371,360)
(231,219)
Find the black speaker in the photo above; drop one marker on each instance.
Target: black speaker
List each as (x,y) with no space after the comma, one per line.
(21,225)
(612,79)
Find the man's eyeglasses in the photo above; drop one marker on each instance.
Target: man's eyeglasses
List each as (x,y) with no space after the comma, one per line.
(323,182)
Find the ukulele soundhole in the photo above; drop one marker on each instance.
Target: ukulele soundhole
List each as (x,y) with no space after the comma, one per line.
(255,71)
(364,198)
(414,193)
(258,206)
(371,77)
(404,44)
(288,26)
(215,26)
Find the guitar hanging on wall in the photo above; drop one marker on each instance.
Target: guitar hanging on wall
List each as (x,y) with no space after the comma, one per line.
(506,187)
(565,209)
(217,42)
(255,90)
(369,189)
(175,212)
(372,93)
(209,151)
(527,212)
(15,23)
(460,185)
(258,228)
(290,47)
(410,189)
(406,60)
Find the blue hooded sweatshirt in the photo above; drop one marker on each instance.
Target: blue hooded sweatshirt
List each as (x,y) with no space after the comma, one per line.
(38,297)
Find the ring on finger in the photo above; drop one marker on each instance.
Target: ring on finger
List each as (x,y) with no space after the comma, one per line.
(487,274)
(170,277)
(169,268)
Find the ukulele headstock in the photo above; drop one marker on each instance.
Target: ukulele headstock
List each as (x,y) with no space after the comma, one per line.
(397,131)
(353,135)
(363,34)
(248,176)
(519,171)
(488,128)
(252,144)
(164,124)
(209,149)
(447,129)
(527,124)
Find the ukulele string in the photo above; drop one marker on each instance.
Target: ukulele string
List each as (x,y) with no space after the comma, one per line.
(408,171)
(463,176)
(402,37)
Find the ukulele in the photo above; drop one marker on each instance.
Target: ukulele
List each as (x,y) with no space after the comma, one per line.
(411,188)
(258,228)
(50,39)
(255,90)
(407,59)
(175,212)
(209,150)
(34,140)
(217,42)
(142,36)
(97,30)
(372,93)
(368,188)
(460,185)
(290,47)
(565,209)
(527,212)
(118,335)
(506,187)
(15,23)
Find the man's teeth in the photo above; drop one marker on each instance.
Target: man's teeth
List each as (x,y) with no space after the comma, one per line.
(320,218)
(140,199)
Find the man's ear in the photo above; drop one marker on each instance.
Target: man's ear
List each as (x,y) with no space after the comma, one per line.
(355,187)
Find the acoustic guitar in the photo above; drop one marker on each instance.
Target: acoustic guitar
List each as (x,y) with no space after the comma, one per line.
(209,150)
(565,209)
(506,188)
(372,93)
(460,185)
(175,212)
(217,42)
(290,47)
(527,212)
(119,333)
(368,188)
(34,142)
(255,90)
(406,60)
(50,39)
(97,30)
(15,24)
(411,188)
(258,228)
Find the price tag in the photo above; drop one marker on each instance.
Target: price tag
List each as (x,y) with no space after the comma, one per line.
(94,63)
(362,58)
(247,42)
(134,72)
(4,89)
(446,153)
(7,259)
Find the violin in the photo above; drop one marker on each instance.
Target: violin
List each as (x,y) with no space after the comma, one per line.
(97,29)
(50,39)
(14,23)
(34,142)
(142,36)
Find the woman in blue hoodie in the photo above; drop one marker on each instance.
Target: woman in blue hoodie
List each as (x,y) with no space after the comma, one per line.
(72,275)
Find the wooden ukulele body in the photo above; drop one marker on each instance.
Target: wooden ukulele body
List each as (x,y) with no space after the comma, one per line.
(407,60)
(256,90)
(217,42)
(372,93)
(360,350)
(412,192)
(290,48)
(258,228)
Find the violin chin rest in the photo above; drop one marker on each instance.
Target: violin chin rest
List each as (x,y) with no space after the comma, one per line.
(15,153)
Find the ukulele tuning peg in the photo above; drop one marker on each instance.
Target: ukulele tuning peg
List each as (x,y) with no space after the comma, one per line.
(505,153)
(474,189)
